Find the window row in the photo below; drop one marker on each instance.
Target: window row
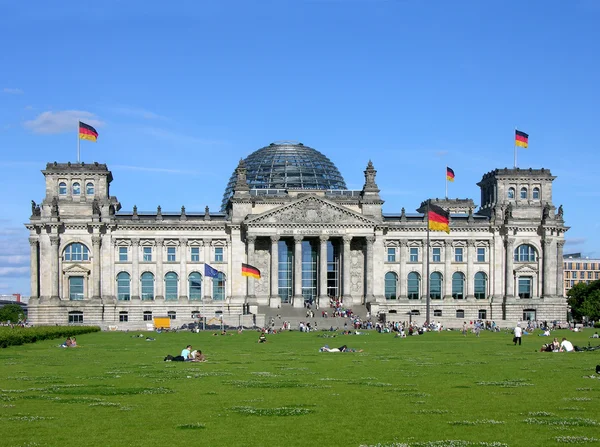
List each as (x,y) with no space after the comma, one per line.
(76,189)
(524,193)
(124,254)
(171,283)
(436,254)
(435,286)
(582,266)
(76,316)
(582,275)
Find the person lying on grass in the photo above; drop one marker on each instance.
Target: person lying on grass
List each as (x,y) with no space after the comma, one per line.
(342,348)
(197,356)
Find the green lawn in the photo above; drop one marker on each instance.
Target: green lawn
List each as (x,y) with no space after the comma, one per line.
(115,390)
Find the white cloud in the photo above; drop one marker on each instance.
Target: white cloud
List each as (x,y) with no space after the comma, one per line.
(14,271)
(575,241)
(136,112)
(12,91)
(61,121)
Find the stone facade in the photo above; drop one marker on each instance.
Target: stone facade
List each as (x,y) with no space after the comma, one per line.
(92,263)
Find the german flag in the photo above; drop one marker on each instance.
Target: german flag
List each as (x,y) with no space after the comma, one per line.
(449,174)
(250,270)
(438,219)
(521,139)
(87,132)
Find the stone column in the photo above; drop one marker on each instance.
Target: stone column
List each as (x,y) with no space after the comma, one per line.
(323,269)
(346,261)
(159,282)
(250,242)
(135,269)
(447,284)
(207,282)
(470,279)
(403,276)
(183,279)
(35,278)
(560,281)
(54,265)
(95,292)
(547,269)
(298,300)
(274,268)
(369,270)
(509,291)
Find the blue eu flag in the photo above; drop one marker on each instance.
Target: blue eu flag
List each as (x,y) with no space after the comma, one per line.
(210,272)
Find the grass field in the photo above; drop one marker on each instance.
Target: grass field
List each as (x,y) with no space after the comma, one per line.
(115,390)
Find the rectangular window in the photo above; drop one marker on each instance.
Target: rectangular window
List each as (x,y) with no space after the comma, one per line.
(529,315)
(597,275)
(75,317)
(577,266)
(123,317)
(391,254)
(122,254)
(171,254)
(585,266)
(195,254)
(147,254)
(172,315)
(574,275)
(458,254)
(218,254)
(76,287)
(482,314)
(590,275)
(570,266)
(414,254)
(460,313)
(436,254)
(480,254)
(525,283)
(147,316)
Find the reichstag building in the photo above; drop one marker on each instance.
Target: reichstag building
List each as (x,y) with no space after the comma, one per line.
(286,210)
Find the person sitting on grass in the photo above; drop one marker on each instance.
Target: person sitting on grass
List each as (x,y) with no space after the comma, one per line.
(262,338)
(566,346)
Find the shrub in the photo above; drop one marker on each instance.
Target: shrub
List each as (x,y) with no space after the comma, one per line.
(18,336)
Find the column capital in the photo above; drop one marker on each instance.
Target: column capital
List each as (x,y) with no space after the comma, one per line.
(159,242)
(183,241)
(275,238)
(347,239)
(547,243)
(323,238)
(135,242)
(471,243)
(560,243)
(509,242)
(54,240)
(402,243)
(33,241)
(298,238)
(448,244)
(96,241)
(207,241)
(251,239)
(370,240)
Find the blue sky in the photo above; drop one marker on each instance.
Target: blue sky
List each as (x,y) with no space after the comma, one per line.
(180,93)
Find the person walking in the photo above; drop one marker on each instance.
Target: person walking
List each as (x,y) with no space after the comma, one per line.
(518,334)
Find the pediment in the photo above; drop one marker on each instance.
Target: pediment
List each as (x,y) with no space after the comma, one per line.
(526,268)
(77,268)
(311,210)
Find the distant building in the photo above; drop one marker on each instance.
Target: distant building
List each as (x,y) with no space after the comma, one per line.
(579,269)
(286,211)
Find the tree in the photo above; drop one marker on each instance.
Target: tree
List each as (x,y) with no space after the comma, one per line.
(584,300)
(12,313)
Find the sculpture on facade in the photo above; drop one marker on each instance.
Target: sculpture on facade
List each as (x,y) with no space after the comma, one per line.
(560,212)
(546,211)
(35,209)
(54,207)
(96,208)
(206,213)
(508,213)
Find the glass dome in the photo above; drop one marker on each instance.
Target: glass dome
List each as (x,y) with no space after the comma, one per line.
(287,165)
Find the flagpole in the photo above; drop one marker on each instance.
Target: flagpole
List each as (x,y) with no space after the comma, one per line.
(78,144)
(446,186)
(427,255)
(515,143)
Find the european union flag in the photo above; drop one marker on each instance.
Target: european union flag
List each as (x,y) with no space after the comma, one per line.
(210,272)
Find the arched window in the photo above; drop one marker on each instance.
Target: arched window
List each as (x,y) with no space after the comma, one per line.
(123,286)
(511,193)
(171,286)
(89,189)
(536,193)
(525,253)
(219,287)
(391,279)
(480,288)
(147,286)
(195,282)
(414,286)
(76,252)
(62,188)
(458,286)
(76,189)
(523,193)
(435,286)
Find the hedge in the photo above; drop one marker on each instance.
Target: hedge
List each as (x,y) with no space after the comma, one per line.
(18,335)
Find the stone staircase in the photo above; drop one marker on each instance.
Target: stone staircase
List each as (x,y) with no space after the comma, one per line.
(267,315)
